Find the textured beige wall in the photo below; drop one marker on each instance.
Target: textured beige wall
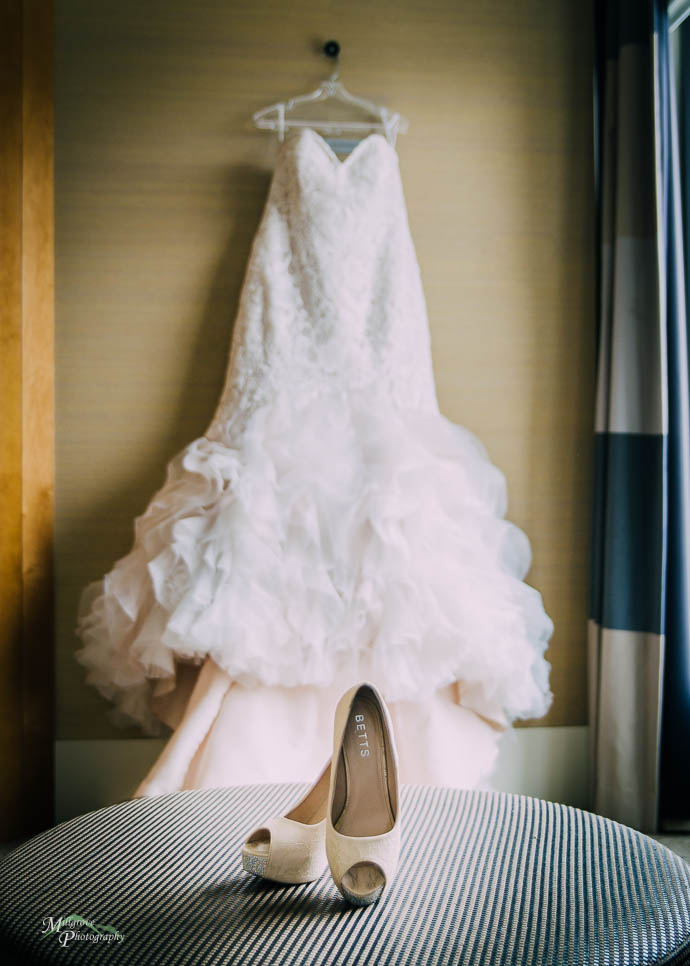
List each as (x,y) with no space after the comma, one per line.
(160,183)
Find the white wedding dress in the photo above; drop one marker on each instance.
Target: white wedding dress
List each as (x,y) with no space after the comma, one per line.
(330,526)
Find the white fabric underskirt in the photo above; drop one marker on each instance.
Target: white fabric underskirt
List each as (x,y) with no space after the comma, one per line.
(224,731)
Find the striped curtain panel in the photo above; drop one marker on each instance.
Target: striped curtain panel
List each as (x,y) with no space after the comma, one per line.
(639,639)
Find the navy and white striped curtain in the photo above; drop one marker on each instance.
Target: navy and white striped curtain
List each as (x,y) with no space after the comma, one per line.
(639,634)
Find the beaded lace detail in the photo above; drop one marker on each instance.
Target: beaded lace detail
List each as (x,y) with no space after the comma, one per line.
(341,307)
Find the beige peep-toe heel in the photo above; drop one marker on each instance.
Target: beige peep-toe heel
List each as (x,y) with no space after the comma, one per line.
(363,820)
(291,848)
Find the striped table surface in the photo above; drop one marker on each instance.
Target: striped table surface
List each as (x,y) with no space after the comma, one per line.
(484,878)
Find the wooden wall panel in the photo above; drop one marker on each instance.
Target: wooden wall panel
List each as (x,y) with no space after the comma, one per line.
(27,707)
(161,179)
(11,409)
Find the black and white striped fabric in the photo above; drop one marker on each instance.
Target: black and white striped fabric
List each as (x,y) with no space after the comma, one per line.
(485,878)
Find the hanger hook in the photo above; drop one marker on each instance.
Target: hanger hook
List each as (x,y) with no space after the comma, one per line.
(332,49)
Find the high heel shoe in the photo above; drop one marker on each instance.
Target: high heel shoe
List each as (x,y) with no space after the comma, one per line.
(362,821)
(291,848)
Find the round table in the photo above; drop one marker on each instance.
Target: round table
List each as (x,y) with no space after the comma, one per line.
(485,878)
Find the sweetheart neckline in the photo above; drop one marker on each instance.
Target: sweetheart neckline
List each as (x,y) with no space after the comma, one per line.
(371,138)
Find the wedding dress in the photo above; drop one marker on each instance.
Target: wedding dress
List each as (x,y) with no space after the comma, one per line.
(330,526)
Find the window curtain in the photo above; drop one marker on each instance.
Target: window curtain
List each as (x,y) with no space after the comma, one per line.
(639,637)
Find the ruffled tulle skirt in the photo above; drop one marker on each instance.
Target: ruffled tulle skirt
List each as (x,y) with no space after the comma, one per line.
(325,537)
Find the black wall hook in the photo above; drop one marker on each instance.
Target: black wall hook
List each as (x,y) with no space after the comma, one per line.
(331,48)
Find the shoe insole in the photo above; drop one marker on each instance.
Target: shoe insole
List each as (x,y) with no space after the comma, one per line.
(364,769)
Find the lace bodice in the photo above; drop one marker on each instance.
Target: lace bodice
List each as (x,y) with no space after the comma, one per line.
(332,299)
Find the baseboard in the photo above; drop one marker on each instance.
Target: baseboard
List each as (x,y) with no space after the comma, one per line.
(547,763)
(550,763)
